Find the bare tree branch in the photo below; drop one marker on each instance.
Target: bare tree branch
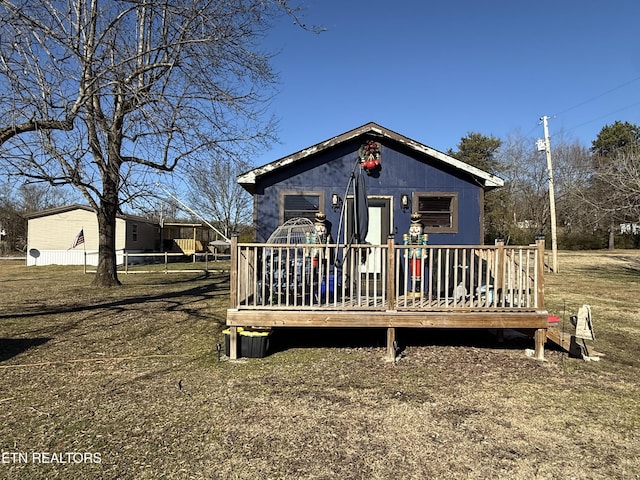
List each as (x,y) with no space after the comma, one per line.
(94,94)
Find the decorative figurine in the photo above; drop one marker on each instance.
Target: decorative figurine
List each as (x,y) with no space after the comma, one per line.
(320,236)
(321,257)
(416,237)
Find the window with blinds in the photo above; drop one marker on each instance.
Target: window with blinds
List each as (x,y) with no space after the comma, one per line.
(438,211)
(300,205)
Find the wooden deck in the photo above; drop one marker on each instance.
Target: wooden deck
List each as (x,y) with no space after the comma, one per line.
(371,286)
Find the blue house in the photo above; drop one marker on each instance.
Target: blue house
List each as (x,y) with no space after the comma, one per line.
(373,189)
(408,177)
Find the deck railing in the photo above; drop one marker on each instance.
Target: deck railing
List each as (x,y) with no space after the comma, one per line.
(387,277)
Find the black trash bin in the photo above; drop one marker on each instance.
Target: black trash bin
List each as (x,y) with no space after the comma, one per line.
(251,343)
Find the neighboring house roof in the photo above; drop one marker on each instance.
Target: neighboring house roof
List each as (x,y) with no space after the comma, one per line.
(182,224)
(249,179)
(76,206)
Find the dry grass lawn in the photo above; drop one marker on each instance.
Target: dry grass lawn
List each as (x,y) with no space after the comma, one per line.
(131,376)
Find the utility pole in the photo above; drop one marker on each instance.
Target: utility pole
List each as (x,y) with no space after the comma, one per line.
(552,199)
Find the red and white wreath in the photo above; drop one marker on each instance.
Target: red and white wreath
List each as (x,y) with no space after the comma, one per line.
(369,155)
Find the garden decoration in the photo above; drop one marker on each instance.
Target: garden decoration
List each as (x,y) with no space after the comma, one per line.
(416,254)
(319,236)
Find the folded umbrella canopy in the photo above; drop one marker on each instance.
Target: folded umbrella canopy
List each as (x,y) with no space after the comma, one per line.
(359,222)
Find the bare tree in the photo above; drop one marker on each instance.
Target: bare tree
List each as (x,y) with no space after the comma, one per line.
(15,202)
(622,180)
(526,188)
(614,151)
(573,170)
(215,193)
(102,94)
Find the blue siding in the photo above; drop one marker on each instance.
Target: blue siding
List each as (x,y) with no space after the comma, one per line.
(403,172)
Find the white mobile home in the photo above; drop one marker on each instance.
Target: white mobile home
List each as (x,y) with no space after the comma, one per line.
(52,237)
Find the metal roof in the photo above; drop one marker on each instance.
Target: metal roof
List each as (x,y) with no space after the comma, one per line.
(77,206)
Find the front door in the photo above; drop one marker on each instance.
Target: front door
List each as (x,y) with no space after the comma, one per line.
(379,228)
(379,222)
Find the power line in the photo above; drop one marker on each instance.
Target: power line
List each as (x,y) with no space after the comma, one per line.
(597,97)
(629,82)
(533,129)
(604,116)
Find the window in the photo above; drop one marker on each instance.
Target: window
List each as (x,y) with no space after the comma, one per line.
(134,232)
(438,211)
(304,205)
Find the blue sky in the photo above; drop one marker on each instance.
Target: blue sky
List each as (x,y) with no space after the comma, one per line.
(435,71)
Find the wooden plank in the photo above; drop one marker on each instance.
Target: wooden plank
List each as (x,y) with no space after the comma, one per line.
(314,318)
(540,273)
(391,271)
(447,269)
(391,343)
(563,340)
(233,293)
(430,277)
(233,343)
(455,275)
(499,283)
(540,340)
(366,303)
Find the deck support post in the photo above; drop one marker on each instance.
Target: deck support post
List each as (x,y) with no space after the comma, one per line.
(233,343)
(391,344)
(540,339)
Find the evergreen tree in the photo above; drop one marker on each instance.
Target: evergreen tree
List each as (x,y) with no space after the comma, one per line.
(481,151)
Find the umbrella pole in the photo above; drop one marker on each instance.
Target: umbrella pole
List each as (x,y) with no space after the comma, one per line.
(348,243)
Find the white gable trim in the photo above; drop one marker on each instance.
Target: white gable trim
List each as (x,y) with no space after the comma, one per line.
(486,179)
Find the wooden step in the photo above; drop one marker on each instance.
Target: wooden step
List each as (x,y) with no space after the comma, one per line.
(563,340)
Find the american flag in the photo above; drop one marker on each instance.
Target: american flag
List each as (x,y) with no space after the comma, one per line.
(79,239)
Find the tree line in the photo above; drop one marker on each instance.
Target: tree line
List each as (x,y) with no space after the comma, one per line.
(597,192)
(105,99)
(597,188)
